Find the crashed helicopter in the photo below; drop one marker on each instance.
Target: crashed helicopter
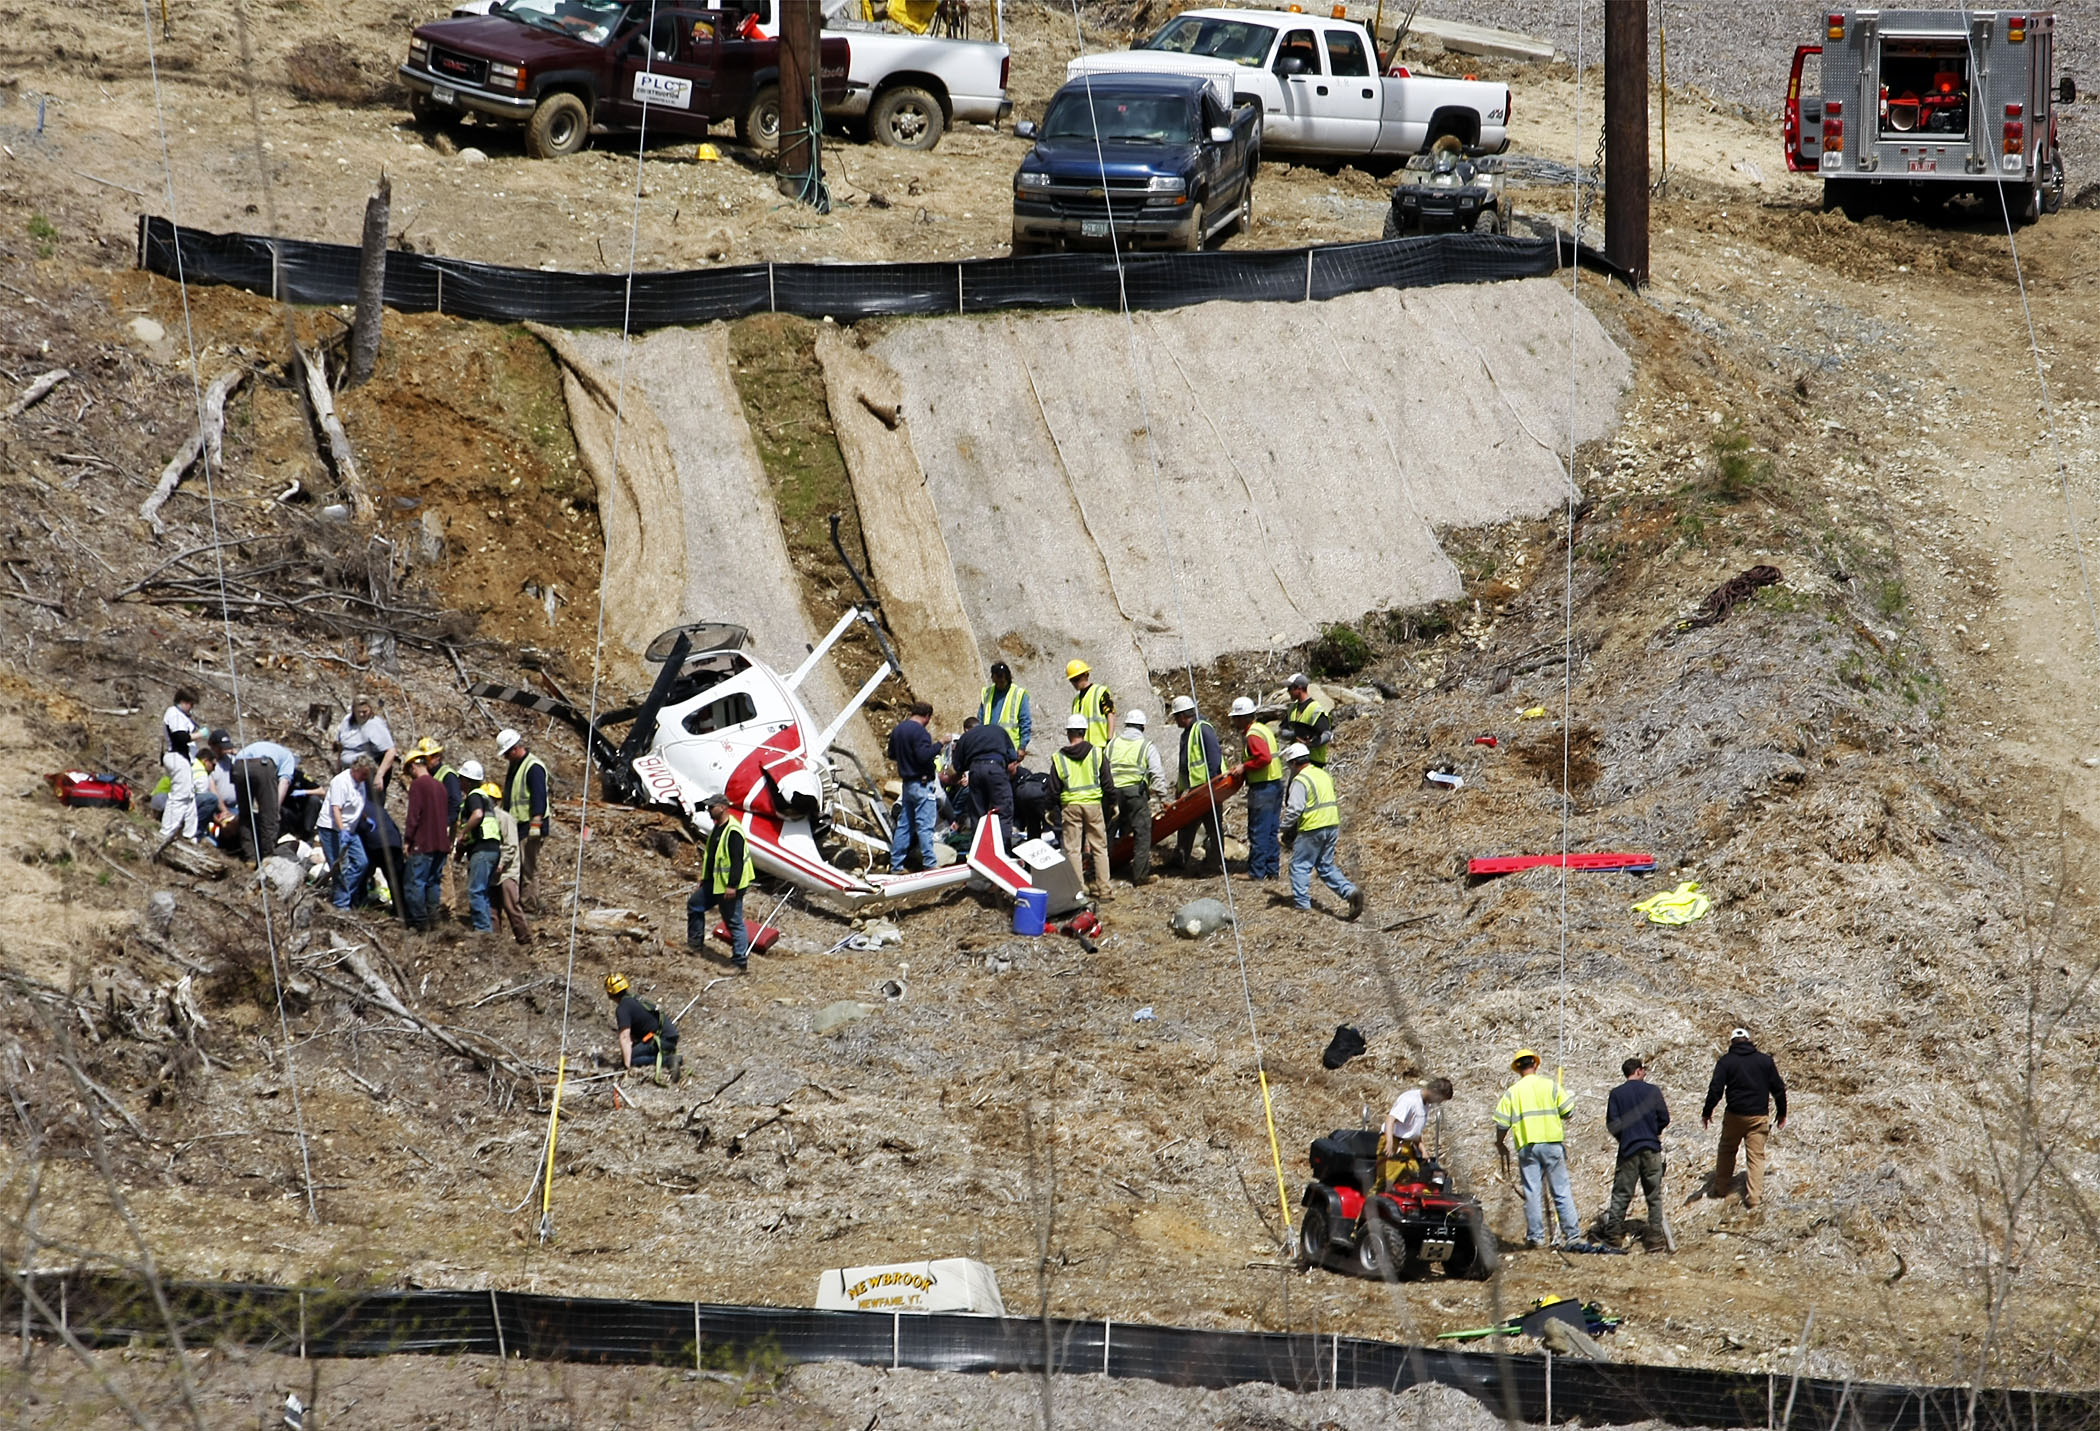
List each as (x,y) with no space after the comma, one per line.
(720,720)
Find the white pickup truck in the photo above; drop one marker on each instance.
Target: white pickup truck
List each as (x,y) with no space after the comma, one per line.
(909,88)
(1319,87)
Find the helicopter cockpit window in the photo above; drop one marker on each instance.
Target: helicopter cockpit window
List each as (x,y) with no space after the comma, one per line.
(734,709)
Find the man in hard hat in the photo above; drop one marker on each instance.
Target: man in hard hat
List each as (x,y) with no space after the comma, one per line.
(1006,704)
(1312,818)
(648,1038)
(1137,775)
(1749,1081)
(427,835)
(725,873)
(525,796)
(488,841)
(1536,1111)
(1201,759)
(1079,776)
(1307,721)
(1264,776)
(1092,701)
(471,779)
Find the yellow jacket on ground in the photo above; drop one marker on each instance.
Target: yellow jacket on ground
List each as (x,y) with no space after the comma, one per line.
(1534,1110)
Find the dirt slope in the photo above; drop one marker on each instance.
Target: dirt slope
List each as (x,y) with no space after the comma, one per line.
(1878,767)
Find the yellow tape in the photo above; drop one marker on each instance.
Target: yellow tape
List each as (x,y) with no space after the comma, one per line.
(553,1131)
(1268,1111)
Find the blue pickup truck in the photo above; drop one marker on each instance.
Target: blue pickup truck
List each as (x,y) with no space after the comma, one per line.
(1169,160)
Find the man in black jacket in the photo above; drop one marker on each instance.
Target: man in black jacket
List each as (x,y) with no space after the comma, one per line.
(1750,1081)
(1636,1115)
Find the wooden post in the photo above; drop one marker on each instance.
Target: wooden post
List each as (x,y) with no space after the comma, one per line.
(1626,136)
(800,29)
(371,285)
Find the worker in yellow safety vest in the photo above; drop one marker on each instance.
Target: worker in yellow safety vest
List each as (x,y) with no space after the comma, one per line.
(1080,776)
(1004,703)
(1136,774)
(1312,822)
(1307,720)
(525,794)
(1536,1109)
(725,873)
(1202,758)
(1091,700)
(1264,775)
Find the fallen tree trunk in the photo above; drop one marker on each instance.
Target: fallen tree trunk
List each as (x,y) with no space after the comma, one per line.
(381,993)
(39,387)
(204,443)
(340,455)
(191,858)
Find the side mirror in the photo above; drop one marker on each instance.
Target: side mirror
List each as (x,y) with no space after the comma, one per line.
(1024,129)
(1290,65)
(2066,91)
(1219,134)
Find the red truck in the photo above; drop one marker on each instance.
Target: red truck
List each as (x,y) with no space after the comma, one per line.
(560,67)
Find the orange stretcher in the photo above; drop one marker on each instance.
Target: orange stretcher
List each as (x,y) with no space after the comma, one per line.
(1194,806)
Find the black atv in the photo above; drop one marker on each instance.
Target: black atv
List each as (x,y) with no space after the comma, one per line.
(1405,1231)
(1448,193)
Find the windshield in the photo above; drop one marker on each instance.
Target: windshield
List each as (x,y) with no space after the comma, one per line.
(1121,118)
(592,21)
(1235,40)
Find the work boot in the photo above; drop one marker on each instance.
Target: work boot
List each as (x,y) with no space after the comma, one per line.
(1356,904)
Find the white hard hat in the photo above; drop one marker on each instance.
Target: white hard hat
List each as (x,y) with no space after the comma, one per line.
(1295,752)
(471,770)
(1241,706)
(1297,682)
(1183,705)
(507,740)
(1136,718)
(1075,721)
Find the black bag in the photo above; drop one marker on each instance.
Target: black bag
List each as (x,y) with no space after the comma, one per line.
(1347,1158)
(1347,1044)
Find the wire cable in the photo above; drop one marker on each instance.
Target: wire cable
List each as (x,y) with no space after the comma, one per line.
(1567,646)
(1159,502)
(568,983)
(211,507)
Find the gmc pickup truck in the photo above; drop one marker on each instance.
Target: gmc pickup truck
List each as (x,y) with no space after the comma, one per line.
(1318,85)
(558,67)
(1157,161)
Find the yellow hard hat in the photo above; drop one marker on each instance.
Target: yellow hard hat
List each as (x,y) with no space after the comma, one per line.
(1077,668)
(493,790)
(1522,1056)
(616,984)
(706,154)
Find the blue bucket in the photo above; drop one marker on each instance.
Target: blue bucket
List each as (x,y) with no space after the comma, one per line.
(1031,910)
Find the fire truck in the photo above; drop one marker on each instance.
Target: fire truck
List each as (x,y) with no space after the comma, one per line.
(1921,109)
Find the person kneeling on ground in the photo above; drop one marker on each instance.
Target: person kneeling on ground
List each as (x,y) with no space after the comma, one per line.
(725,873)
(648,1038)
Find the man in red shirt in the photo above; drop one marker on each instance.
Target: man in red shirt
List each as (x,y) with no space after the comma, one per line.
(428,835)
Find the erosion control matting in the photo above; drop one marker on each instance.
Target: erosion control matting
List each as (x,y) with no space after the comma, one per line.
(304,272)
(100,1310)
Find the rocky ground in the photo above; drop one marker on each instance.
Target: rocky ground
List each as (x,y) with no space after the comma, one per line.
(1880,768)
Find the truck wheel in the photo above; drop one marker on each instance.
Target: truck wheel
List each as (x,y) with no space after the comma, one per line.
(2053,182)
(1243,222)
(758,127)
(1027,248)
(2023,202)
(907,117)
(428,112)
(1394,228)
(1196,222)
(1312,1238)
(561,125)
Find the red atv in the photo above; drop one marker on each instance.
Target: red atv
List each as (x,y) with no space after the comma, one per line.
(1403,1232)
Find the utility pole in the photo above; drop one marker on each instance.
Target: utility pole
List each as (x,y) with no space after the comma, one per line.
(798,176)
(1626,135)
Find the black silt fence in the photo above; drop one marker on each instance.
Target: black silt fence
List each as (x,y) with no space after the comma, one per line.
(321,273)
(105,1310)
